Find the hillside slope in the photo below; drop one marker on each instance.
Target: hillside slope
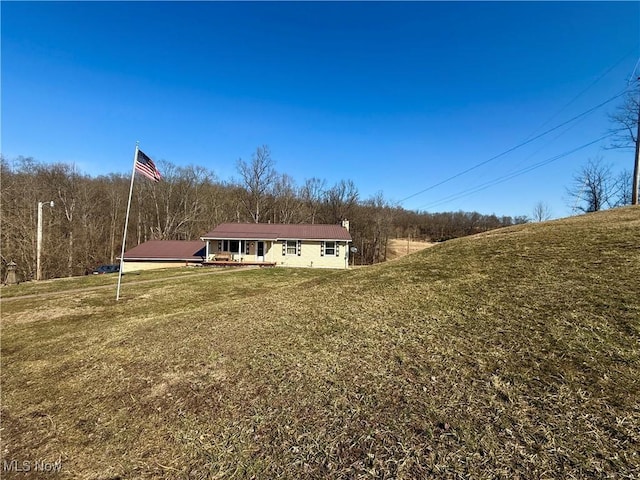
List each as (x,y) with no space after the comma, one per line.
(511,354)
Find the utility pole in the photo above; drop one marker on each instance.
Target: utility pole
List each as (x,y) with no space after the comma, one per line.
(39,240)
(636,167)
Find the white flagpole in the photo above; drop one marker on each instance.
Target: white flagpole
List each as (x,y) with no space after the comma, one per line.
(126,222)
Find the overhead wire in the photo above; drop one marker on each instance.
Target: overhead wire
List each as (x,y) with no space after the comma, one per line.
(570,102)
(509,176)
(549,142)
(633,73)
(520,145)
(529,168)
(585,90)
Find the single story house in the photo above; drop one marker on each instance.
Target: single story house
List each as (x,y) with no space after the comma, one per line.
(163,254)
(289,245)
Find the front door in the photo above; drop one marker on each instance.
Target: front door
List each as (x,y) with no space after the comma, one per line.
(260,251)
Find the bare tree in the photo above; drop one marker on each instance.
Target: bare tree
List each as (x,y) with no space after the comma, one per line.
(286,201)
(541,212)
(379,221)
(19,194)
(220,206)
(258,178)
(626,119)
(178,201)
(115,192)
(311,193)
(64,180)
(339,200)
(624,188)
(594,188)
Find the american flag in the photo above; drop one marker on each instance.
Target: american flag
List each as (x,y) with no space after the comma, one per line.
(146,167)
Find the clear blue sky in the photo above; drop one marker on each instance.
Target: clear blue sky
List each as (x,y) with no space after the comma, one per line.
(397,97)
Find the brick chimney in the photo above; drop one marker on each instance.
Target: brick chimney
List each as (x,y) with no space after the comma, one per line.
(345,224)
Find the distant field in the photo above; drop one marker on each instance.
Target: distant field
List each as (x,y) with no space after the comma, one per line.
(399,247)
(510,354)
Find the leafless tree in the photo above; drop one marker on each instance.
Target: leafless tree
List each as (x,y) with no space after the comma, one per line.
(594,188)
(541,212)
(312,192)
(287,203)
(19,196)
(178,201)
(625,121)
(339,200)
(378,224)
(626,129)
(65,181)
(114,200)
(624,188)
(258,178)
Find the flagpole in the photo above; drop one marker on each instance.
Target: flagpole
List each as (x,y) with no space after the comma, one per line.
(126,222)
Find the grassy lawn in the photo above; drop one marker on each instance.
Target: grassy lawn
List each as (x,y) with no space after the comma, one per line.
(64,284)
(512,354)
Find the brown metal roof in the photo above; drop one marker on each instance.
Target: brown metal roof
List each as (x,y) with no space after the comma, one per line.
(192,250)
(277,231)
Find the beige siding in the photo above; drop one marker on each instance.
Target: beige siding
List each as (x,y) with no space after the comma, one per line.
(310,256)
(137,266)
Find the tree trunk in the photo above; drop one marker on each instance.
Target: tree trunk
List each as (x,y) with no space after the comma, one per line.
(70,259)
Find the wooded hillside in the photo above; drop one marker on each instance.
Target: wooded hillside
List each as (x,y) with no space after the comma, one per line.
(84,228)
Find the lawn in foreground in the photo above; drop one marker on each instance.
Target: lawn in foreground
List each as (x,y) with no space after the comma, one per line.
(510,354)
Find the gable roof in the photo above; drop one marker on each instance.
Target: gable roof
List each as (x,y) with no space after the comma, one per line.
(278,231)
(168,250)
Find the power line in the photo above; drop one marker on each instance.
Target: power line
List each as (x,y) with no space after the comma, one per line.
(533,154)
(634,72)
(522,144)
(600,77)
(509,176)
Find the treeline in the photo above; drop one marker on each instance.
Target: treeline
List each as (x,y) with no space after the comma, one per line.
(85,226)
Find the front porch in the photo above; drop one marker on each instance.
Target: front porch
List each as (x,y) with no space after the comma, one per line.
(233,263)
(237,252)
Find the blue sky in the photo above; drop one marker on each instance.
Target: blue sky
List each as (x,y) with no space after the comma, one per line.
(398,97)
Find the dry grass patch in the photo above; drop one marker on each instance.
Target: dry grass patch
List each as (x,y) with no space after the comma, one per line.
(510,355)
(71,284)
(400,247)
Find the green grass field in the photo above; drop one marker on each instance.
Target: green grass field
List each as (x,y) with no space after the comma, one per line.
(512,354)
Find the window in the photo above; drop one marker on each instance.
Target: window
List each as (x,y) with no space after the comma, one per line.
(232,246)
(329,248)
(292,247)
